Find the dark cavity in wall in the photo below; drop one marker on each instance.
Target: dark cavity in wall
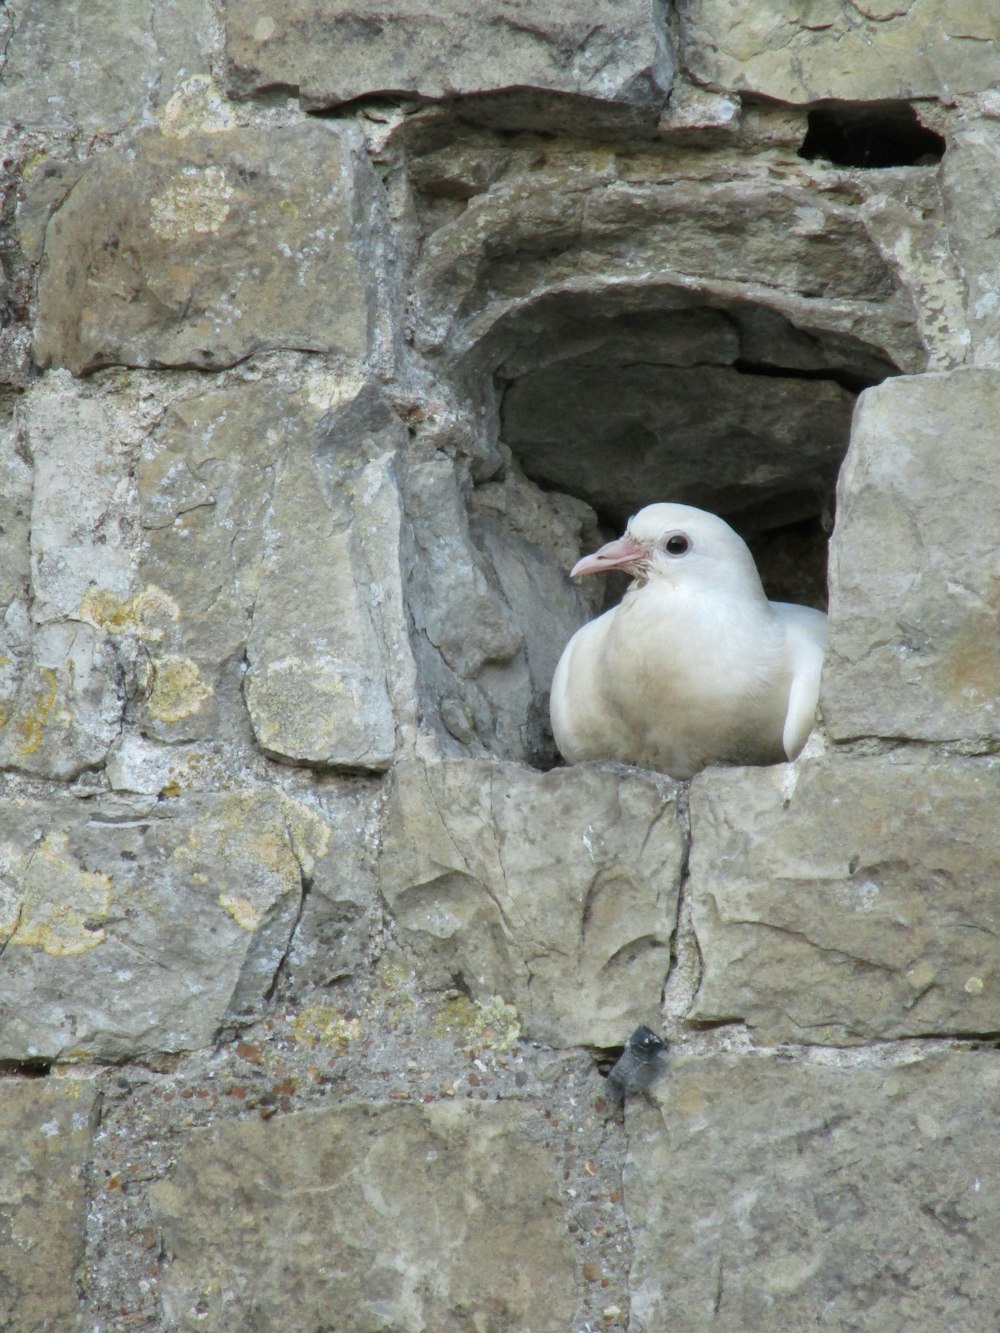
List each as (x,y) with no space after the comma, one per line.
(726,406)
(871,134)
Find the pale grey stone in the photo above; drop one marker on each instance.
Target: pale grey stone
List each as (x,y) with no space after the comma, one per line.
(335,935)
(402,1217)
(340,50)
(61,704)
(557,891)
(83,511)
(826,49)
(200,250)
(57,74)
(617,236)
(850,900)
(491,603)
(15,511)
(130,933)
(316,687)
(263,544)
(973,156)
(46,1128)
(914,570)
(764,1192)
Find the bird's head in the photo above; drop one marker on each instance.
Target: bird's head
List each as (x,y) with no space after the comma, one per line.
(674,542)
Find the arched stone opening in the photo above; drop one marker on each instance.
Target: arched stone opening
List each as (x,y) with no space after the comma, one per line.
(627,326)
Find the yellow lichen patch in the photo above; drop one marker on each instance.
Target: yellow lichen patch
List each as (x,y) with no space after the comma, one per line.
(242,848)
(197,201)
(197,107)
(63,908)
(246,914)
(491,1023)
(322,1025)
(105,611)
(38,705)
(178,690)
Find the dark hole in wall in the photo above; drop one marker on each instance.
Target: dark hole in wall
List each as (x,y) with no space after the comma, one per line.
(871,134)
(728,407)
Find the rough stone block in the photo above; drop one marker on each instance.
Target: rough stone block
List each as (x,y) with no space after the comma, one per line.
(849,901)
(914,569)
(585,225)
(327,647)
(557,891)
(974,156)
(851,52)
(57,74)
(270,573)
(335,51)
(403,1217)
(128,931)
(46,1126)
(762,1192)
(15,511)
(200,250)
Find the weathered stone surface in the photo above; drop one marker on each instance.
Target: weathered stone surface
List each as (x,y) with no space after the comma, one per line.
(45,1134)
(56,74)
(267,540)
(317,687)
(473,1236)
(60,702)
(639,229)
(15,511)
(972,157)
(914,570)
(491,604)
(863,51)
(851,1197)
(335,52)
(202,249)
(848,901)
(557,891)
(334,935)
(130,931)
(83,513)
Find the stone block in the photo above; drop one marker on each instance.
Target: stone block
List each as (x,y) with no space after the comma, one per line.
(763,1193)
(556,891)
(826,49)
(46,1126)
(131,929)
(850,901)
(338,50)
(200,250)
(914,566)
(366,1217)
(974,156)
(56,70)
(270,573)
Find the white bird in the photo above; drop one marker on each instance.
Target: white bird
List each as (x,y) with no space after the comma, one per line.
(695,666)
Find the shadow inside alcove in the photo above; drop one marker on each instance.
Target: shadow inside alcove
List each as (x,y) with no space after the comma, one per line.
(674,395)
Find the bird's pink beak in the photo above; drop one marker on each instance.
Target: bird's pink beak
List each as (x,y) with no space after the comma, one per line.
(622,554)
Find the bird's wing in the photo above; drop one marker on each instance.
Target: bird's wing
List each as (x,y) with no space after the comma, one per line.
(805,644)
(579,717)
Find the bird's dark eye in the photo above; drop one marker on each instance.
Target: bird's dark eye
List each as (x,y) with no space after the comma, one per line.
(678,544)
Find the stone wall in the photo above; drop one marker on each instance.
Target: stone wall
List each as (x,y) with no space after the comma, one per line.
(332,334)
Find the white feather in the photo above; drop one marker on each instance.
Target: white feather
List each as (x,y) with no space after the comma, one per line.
(696,666)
